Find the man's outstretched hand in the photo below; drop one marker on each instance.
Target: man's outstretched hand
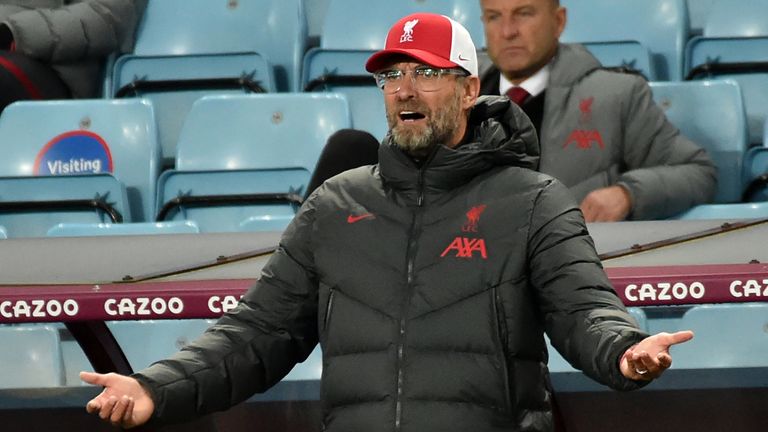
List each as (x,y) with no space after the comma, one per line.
(650,357)
(124,402)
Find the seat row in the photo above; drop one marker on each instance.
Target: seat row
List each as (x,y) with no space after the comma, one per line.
(97,161)
(243,162)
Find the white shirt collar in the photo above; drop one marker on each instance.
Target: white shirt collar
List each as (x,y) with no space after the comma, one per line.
(534,85)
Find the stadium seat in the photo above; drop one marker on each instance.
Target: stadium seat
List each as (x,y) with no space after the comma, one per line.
(3,233)
(247,159)
(136,228)
(718,127)
(727,336)
(189,48)
(558,364)
(31,357)
(90,160)
(734,46)
(347,41)
(145,342)
(660,26)
(698,10)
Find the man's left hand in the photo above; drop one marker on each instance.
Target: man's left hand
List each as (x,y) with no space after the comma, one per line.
(610,204)
(650,358)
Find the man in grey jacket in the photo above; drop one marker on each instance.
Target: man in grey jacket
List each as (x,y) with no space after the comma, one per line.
(54,49)
(600,132)
(428,279)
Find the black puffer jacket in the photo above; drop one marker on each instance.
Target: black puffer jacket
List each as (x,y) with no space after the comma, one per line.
(429,290)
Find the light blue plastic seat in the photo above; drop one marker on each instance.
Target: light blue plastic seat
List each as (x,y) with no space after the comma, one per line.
(246,160)
(660,26)
(145,342)
(186,49)
(136,228)
(3,233)
(726,336)
(346,42)
(30,356)
(734,46)
(59,151)
(719,127)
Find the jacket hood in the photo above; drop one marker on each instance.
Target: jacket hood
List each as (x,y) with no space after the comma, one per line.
(571,64)
(499,134)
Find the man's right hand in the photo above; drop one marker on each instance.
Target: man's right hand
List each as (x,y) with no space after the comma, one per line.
(124,402)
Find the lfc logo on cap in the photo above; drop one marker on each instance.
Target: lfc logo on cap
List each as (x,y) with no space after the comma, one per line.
(408,31)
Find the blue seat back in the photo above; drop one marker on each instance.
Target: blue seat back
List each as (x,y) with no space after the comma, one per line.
(698,11)
(736,32)
(718,127)
(249,144)
(737,330)
(346,42)
(31,357)
(32,205)
(344,30)
(276,29)
(191,41)
(659,25)
(74,132)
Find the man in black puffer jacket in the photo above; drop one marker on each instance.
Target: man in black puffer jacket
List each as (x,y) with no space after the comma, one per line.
(428,279)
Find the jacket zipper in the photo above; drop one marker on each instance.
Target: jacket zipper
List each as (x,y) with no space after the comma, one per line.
(501,327)
(406,305)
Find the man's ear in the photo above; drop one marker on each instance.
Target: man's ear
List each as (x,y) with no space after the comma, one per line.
(471,92)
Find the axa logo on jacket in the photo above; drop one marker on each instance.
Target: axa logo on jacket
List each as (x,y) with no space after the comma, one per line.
(466,247)
(583,137)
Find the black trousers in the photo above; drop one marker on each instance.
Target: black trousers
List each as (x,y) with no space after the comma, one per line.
(23,78)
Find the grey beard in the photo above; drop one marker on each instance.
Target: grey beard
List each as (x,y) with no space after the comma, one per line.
(416,145)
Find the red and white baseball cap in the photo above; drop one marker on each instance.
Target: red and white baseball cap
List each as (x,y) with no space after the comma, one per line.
(433,39)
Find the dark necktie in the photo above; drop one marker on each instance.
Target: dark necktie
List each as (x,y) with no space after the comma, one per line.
(517,95)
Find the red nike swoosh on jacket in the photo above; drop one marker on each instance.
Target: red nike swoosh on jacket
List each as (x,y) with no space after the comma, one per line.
(354,218)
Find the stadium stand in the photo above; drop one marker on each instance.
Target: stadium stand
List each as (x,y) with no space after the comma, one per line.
(189,48)
(734,45)
(248,158)
(337,65)
(614,28)
(89,161)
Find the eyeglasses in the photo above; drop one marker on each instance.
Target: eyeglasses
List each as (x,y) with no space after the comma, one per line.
(426,79)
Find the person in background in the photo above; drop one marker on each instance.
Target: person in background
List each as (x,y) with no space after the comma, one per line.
(51,49)
(600,132)
(429,279)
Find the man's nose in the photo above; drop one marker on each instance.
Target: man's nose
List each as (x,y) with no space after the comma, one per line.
(510,28)
(406,90)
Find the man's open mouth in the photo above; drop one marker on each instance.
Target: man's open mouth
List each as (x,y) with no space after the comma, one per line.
(411,116)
